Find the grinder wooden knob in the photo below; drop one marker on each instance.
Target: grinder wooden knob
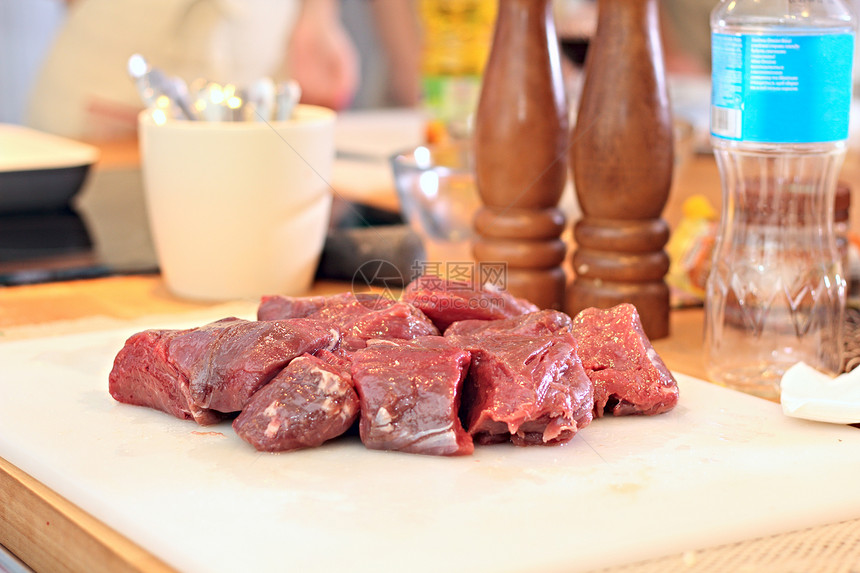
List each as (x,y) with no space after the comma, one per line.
(622,158)
(521,140)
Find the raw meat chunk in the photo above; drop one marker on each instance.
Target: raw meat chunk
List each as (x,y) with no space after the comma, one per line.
(410,395)
(400,321)
(359,318)
(219,366)
(529,389)
(275,307)
(629,377)
(538,323)
(144,375)
(228,360)
(308,403)
(447,301)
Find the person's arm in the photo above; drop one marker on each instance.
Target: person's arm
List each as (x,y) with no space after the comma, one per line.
(400,37)
(321,56)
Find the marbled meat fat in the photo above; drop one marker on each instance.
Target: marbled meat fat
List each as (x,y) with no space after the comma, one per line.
(309,402)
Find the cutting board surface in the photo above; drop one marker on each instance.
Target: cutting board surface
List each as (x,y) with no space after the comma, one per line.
(721,467)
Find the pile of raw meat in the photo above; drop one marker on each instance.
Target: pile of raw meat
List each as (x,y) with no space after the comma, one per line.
(444,368)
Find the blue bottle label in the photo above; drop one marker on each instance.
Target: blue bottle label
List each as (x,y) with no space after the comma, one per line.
(781,88)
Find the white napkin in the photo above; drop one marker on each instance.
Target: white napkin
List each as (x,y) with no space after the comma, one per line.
(808,393)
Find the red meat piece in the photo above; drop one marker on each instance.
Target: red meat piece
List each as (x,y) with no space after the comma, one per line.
(529,389)
(196,373)
(144,375)
(448,301)
(538,323)
(359,318)
(276,307)
(410,395)
(308,403)
(629,377)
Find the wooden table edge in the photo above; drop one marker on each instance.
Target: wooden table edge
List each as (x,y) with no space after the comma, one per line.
(49,533)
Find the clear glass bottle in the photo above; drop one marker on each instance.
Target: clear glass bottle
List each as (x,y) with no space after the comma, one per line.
(781,94)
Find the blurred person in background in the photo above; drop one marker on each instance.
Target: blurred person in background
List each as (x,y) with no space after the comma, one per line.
(389,39)
(344,53)
(83,89)
(27,29)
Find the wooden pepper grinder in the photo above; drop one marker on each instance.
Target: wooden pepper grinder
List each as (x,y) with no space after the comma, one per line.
(622,158)
(521,139)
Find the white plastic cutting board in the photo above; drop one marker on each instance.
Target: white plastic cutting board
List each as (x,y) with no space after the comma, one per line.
(721,467)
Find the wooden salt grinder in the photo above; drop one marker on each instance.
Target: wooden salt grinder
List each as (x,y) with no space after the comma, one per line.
(622,158)
(521,138)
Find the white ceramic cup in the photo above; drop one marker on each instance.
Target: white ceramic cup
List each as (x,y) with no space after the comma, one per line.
(238,209)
